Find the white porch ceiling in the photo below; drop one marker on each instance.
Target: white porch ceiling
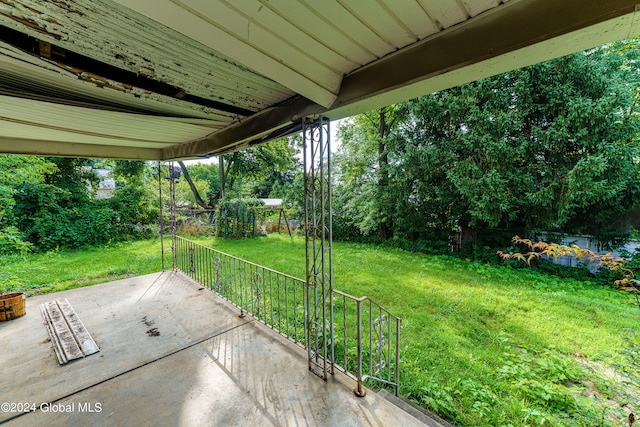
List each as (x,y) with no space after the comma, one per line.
(164,79)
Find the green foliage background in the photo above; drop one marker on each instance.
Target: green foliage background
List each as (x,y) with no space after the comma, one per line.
(552,146)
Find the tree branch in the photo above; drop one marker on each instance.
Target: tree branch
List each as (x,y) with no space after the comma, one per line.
(194,190)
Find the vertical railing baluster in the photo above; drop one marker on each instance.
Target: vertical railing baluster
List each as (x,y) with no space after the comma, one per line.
(230,279)
(264,296)
(380,344)
(197,263)
(211,262)
(398,326)
(247,286)
(388,346)
(370,338)
(279,306)
(271,297)
(200,259)
(234,282)
(179,255)
(295,306)
(196,259)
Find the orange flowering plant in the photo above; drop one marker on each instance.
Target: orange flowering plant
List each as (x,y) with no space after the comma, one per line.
(540,249)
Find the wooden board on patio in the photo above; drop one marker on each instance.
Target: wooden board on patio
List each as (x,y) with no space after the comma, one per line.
(69,337)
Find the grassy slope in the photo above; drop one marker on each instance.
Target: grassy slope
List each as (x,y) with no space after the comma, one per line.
(471,333)
(449,292)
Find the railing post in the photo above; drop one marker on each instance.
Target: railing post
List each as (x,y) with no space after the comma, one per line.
(160,218)
(398,326)
(359,390)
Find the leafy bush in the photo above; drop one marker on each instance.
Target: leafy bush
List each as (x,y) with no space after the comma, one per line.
(9,283)
(59,210)
(12,241)
(51,217)
(134,211)
(72,228)
(625,269)
(344,230)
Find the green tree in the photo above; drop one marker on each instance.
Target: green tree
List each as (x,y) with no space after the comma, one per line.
(252,172)
(258,168)
(17,170)
(210,174)
(57,207)
(135,200)
(365,193)
(59,210)
(553,146)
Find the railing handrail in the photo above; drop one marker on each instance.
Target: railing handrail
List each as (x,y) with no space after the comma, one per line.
(361,299)
(257,296)
(243,260)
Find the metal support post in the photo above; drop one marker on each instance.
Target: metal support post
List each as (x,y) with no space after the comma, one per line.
(161,219)
(172,210)
(318,237)
(221,175)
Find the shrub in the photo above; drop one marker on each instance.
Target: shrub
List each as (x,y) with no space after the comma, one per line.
(626,270)
(72,228)
(12,241)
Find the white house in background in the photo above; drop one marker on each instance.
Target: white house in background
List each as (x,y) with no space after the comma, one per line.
(588,242)
(107,184)
(272,203)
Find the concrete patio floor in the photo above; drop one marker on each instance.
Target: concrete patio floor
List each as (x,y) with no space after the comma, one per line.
(172,354)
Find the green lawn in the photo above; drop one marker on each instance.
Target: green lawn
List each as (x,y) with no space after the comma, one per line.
(481,345)
(66,269)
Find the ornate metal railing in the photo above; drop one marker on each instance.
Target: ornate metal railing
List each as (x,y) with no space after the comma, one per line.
(366,337)
(274,298)
(366,341)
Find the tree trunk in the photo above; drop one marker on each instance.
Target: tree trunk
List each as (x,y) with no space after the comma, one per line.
(224,179)
(383,172)
(194,190)
(468,236)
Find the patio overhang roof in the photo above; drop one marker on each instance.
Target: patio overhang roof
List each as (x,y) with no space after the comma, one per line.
(168,79)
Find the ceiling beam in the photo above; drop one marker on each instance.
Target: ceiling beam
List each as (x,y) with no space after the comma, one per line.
(69,149)
(513,35)
(260,127)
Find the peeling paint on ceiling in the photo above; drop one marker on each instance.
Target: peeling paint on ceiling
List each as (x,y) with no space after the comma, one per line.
(163,79)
